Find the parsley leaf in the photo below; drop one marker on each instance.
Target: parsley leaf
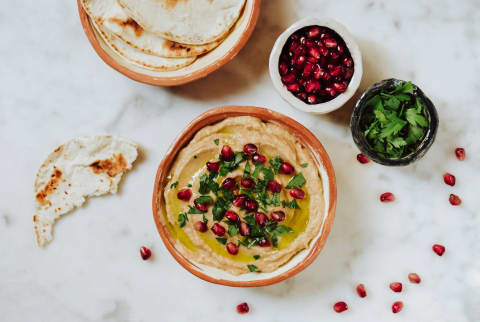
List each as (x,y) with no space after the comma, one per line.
(219,208)
(221,240)
(252,268)
(216,141)
(205,220)
(246,170)
(297,181)
(232,230)
(292,204)
(276,164)
(256,257)
(174,185)
(204,199)
(304,165)
(194,211)
(182,220)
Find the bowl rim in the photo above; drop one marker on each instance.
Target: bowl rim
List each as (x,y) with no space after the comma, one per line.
(350,42)
(216,115)
(172,80)
(424,145)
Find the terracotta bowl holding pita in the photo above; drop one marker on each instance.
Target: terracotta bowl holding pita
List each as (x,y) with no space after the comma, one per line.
(203,66)
(302,259)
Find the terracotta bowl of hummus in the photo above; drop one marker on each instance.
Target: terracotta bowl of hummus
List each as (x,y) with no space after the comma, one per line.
(201,67)
(245,197)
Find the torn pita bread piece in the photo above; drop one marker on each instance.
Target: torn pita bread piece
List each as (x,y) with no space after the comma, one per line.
(80,168)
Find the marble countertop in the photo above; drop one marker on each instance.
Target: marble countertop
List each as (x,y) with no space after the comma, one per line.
(54,87)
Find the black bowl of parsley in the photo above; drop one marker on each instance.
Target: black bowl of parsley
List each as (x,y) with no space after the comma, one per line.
(394,123)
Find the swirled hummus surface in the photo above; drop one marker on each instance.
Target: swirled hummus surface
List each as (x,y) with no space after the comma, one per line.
(243,196)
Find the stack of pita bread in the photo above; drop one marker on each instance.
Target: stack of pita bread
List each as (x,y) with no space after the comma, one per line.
(163,34)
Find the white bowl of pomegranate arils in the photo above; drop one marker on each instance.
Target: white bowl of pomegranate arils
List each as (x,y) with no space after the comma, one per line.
(316,65)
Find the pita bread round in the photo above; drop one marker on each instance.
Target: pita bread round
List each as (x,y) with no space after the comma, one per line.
(80,168)
(110,16)
(140,58)
(193,22)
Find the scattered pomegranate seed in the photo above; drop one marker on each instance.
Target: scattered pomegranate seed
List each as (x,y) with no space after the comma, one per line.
(339,307)
(201,206)
(259,158)
(312,85)
(314,32)
(229,184)
(244,229)
(312,99)
(218,229)
(277,216)
(145,253)
(242,308)
(264,243)
(286,168)
(414,278)
(248,183)
(213,166)
(294,88)
(460,153)
(239,201)
(297,193)
(251,205)
(455,200)
(347,62)
(438,249)
(330,43)
(340,87)
(232,216)
(396,287)
(184,194)
(449,179)
(397,306)
(200,226)
(362,158)
(227,153)
(261,218)
(361,290)
(288,79)
(274,186)
(308,70)
(387,197)
(232,248)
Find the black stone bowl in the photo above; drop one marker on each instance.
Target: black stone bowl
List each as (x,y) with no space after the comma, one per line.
(423,146)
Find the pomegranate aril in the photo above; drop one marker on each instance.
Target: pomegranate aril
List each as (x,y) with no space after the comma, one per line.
(274,186)
(336,71)
(300,62)
(184,194)
(361,290)
(397,306)
(294,45)
(414,278)
(250,149)
(330,43)
(232,248)
(213,166)
(362,158)
(286,168)
(387,197)
(312,60)
(239,201)
(145,253)
(312,86)
(259,158)
(218,229)
(396,287)
(312,99)
(340,87)
(289,78)
(283,68)
(302,96)
(340,49)
(202,207)
(200,226)
(326,76)
(294,88)
(227,153)
(348,73)
(334,55)
(460,153)
(297,193)
(251,205)
(438,249)
(277,216)
(229,184)
(264,243)
(309,43)
(323,51)
(300,50)
(318,72)
(248,183)
(307,70)
(347,62)
(449,179)
(339,307)
(232,216)
(455,200)
(331,91)
(261,218)
(314,52)
(242,308)
(244,229)
(314,32)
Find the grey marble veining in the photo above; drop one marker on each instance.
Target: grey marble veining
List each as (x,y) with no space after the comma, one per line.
(53,87)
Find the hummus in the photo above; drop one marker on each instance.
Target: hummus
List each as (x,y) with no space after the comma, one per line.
(199,202)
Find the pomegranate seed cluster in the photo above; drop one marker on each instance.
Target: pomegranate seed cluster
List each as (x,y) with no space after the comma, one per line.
(243,210)
(315,65)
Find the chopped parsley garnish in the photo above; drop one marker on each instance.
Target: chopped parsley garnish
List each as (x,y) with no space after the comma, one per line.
(256,257)
(219,208)
(194,211)
(252,268)
(205,220)
(394,122)
(216,141)
(195,157)
(246,170)
(296,182)
(229,166)
(174,185)
(304,165)
(276,164)
(291,204)
(189,185)
(221,240)
(204,199)
(182,220)
(232,229)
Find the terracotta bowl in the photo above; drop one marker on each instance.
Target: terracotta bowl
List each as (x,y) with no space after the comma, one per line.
(299,261)
(203,66)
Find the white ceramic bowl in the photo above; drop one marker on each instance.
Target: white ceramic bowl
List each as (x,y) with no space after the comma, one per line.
(352,46)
